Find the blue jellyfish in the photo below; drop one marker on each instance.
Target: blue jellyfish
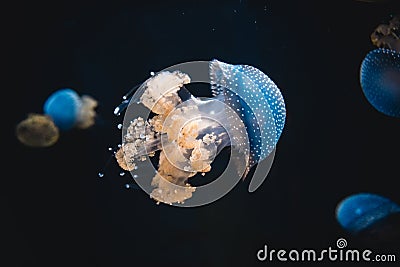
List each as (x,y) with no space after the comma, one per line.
(380,80)
(256,98)
(246,113)
(67,109)
(63,110)
(361,211)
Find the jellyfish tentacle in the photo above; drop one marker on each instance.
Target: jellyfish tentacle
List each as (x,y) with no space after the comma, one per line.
(245,114)
(131,91)
(86,114)
(387,35)
(126,99)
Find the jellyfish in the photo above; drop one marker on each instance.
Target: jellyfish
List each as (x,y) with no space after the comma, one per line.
(370,217)
(68,110)
(245,113)
(380,80)
(37,130)
(387,35)
(63,110)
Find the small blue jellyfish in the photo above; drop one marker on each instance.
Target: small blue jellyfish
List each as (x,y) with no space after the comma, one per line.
(67,109)
(63,107)
(361,211)
(246,113)
(63,110)
(380,80)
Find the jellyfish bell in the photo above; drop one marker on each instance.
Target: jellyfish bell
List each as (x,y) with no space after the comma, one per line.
(369,217)
(257,99)
(68,110)
(244,114)
(380,80)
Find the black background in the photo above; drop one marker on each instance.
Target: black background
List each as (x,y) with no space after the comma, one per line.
(58,212)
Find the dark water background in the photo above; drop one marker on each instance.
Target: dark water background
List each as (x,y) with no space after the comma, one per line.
(58,211)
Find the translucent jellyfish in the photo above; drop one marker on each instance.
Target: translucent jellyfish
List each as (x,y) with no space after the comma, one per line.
(63,110)
(388,35)
(68,110)
(246,113)
(369,216)
(380,80)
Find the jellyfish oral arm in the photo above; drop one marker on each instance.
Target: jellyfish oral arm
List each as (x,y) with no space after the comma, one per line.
(246,113)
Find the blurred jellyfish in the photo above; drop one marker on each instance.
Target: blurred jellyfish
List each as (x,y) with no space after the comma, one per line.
(388,35)
(369,216)
(380,80)
(37,131)
(63,110)
(68,110)
(247,113)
